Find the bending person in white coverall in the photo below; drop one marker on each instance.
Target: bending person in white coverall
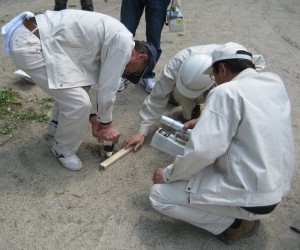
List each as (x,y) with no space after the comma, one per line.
(239,161)
(65,53)
(181,81)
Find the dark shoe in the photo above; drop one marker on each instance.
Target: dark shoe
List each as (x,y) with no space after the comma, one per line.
(246,229)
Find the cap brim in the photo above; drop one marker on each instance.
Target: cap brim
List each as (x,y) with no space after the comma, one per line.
(209,71)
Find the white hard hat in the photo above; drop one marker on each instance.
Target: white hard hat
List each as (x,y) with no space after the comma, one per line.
(191,82)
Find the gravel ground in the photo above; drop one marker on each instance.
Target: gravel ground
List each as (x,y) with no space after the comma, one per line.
(44,206)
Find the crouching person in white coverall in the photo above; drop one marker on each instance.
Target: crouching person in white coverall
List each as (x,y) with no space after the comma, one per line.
(181,83)
(239,161)
(65,53)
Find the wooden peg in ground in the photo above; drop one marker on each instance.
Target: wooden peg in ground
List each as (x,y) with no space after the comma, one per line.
(114,158)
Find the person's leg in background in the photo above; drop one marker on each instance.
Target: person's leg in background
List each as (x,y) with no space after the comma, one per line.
(60,4)
(131,13)
(155,15)
(87,5)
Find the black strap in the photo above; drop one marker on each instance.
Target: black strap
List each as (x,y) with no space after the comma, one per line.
(261,210)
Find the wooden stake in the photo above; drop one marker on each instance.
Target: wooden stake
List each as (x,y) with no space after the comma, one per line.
(114,157)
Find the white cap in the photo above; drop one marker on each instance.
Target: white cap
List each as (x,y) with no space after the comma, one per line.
(191,82)
(231,51)
(235,51)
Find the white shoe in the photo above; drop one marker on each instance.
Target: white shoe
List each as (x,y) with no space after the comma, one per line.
(148,83)
(71,162)
(23,75)
(52,126)
(123,82)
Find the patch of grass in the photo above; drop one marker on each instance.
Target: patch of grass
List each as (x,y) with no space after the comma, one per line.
(13,113)
(8,96)
(39,117)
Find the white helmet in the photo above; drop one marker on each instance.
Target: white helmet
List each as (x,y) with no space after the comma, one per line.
(191,82)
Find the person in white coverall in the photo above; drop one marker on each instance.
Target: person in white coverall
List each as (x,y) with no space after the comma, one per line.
(65,53)
(181,81)
(239,161)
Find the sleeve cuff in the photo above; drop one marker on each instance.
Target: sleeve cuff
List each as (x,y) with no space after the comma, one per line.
(166,175)
(143,130)
(105,123)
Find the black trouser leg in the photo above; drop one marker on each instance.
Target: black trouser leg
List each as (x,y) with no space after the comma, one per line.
(60,4)
(87,5)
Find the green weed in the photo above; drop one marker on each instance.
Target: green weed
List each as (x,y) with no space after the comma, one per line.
(13,113)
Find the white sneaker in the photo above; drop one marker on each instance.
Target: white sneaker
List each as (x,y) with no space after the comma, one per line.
(123,82)
(23,75)
(71,162)
(52,126)
(148,83)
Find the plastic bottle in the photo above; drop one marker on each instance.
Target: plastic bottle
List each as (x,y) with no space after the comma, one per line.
(177,12)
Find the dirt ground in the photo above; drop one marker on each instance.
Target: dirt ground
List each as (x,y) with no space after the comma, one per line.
(44,206)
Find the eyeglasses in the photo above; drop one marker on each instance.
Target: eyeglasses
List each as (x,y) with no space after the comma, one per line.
(212,76)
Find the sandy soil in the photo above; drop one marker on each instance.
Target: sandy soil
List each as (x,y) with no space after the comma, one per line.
(44,206)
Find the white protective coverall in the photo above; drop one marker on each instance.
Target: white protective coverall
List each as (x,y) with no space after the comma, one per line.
(240,153)
(76,49)
(154,105)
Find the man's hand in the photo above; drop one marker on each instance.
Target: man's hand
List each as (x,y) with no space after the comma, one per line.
(95,126)
(104,132)
(175,2)
(137,140)
(157,176)
(108,133)
(190,124)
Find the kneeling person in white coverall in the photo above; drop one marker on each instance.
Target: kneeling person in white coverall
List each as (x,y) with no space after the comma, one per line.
(65,53)
(181,81)
(239,161)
